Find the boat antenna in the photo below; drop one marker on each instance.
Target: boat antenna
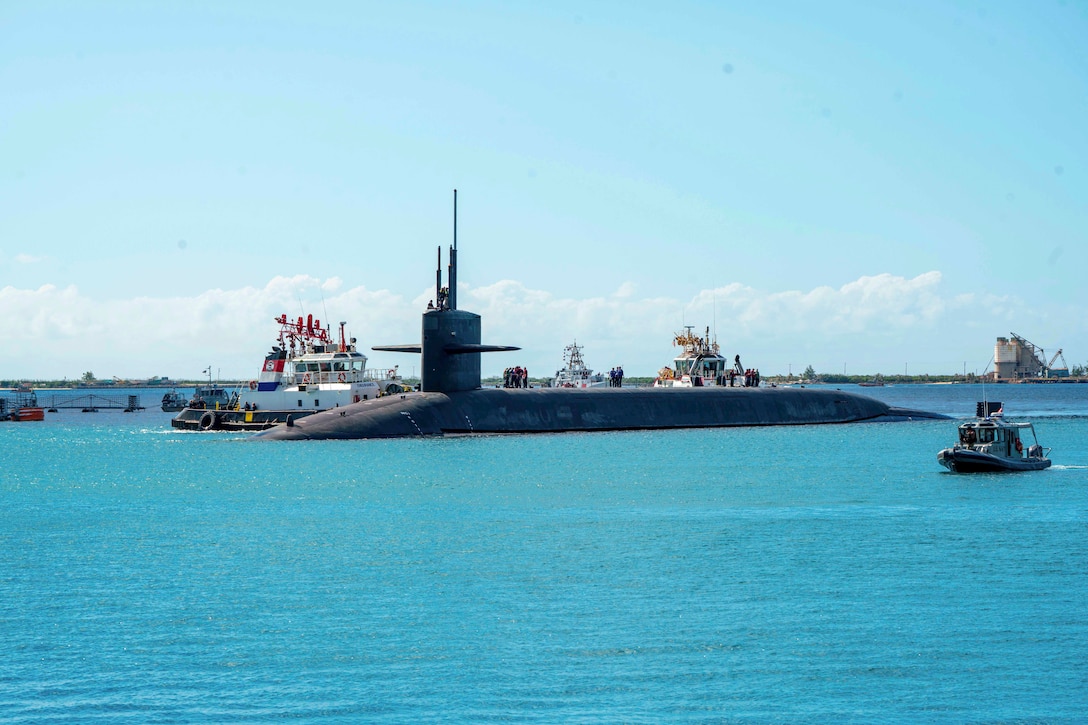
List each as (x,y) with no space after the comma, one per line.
(985,401)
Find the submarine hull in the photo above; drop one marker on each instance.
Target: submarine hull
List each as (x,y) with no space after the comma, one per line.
(550,410)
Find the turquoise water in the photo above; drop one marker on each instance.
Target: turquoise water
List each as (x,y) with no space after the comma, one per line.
(780,574)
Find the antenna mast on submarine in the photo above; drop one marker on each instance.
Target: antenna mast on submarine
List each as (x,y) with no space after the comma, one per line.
(451,277)
(447,297)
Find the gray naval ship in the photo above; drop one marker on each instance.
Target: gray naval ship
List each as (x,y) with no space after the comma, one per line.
(452,401)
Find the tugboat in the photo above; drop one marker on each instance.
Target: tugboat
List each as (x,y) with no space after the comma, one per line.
(305,373)
(701,365)
(574,373)
(212,396)
(991,444)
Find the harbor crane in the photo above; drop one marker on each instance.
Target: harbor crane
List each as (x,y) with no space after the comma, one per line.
(1053,372)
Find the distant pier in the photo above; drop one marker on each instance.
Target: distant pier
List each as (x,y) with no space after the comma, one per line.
(90,403)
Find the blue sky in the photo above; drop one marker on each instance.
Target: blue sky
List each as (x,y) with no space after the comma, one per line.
(875,187)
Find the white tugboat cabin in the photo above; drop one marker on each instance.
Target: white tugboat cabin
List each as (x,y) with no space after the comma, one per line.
(700,364)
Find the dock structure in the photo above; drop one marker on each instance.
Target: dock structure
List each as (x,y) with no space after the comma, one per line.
(91,403)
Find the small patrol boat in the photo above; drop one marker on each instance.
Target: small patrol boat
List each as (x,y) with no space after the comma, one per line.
(173,402)
(574,373)
(991,444)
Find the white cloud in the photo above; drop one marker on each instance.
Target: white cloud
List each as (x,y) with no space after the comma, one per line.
(58,333)
(874,323)
(24,258)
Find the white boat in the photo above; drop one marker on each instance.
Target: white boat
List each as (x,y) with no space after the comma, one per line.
(574,373)
(700,364)
(991,444)
(306,372)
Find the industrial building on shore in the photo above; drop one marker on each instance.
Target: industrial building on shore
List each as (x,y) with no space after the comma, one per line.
(1017,360)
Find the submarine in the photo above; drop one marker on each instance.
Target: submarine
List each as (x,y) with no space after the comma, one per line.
(452,401)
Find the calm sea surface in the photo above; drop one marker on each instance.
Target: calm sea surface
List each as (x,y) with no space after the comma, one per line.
(816,573)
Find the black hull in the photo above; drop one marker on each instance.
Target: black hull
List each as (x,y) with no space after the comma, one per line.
(967,461)
(202,419)
(549,410)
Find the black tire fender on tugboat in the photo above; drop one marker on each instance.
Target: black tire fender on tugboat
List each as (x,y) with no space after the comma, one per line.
(208,421)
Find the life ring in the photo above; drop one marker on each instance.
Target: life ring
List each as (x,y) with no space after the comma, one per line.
(207,421)
(1019,446)
(252,384)
(392,373)
(306,378)
(342,378)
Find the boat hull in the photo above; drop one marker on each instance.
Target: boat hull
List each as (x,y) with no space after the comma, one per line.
(202,419)
(28,414)
(962,460)
(550,410)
